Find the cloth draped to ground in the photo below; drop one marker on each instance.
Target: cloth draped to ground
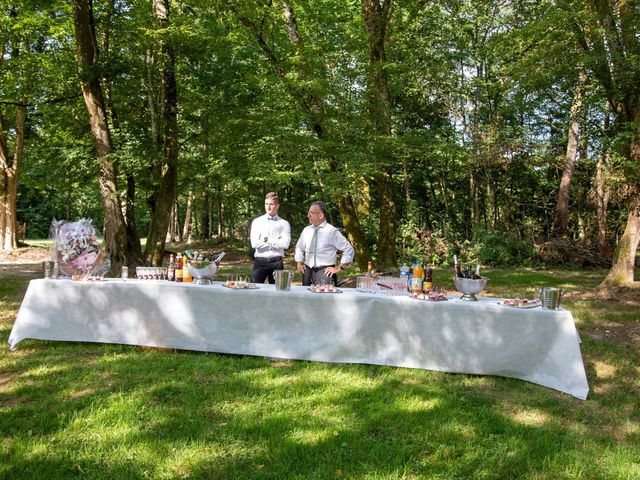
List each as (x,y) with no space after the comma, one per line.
(536,345)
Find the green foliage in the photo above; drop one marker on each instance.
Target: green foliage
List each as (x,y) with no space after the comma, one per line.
(480,99)
(490,247)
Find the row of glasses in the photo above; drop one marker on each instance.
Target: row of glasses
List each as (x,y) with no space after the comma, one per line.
(151,273)
(391,286)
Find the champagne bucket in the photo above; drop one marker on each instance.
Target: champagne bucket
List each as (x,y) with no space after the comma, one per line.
(283,279)
(550,297)
(203,275)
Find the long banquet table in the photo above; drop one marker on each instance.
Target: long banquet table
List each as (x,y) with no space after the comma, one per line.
(540,346)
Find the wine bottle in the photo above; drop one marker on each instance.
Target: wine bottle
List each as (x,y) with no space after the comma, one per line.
(476,275)
(171,269)
(369,269)
(427,286)
(179,265)
(456,267)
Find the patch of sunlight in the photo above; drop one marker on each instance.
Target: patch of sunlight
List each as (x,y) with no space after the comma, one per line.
(631,428)
(604,370)
(85,392)
(530,417)
(419,404)
(44,371)
(184,461)
(311,438)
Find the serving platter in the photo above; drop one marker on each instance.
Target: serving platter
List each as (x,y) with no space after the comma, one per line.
(335,290)
(427,298)
(242,287)
(520,305)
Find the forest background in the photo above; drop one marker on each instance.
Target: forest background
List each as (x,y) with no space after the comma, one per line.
(504,131)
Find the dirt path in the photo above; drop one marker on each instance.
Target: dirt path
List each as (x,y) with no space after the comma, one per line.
(24,262)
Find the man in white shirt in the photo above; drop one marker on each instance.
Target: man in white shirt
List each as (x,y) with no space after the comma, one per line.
(270,236)
(317,248)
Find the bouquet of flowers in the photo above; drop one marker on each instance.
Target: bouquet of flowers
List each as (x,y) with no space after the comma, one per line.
(76,248)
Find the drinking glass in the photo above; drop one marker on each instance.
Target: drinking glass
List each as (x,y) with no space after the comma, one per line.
(48,267)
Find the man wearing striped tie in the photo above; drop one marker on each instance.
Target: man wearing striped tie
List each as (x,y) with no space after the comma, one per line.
(318,246)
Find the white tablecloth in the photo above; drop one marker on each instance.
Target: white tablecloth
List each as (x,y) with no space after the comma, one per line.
(482,337)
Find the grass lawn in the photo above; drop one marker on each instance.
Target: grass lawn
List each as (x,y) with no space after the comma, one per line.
(74,410)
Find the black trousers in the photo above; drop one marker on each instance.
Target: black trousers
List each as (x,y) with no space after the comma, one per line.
(315,275)
(263,268)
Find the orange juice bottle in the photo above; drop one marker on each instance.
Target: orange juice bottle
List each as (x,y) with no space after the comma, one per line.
(186,273)
(418,274)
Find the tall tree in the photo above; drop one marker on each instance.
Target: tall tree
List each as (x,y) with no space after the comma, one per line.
(166,193)
(376,15)
(608,31)
(10,162)
(10,168)
(115,235)
(314,106)
(570,158)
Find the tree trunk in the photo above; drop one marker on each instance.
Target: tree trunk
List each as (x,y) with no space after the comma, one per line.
(174,227)
(133,239)
(188,222)
(612,47)
(115,236)
(561,221)
(10,167)
(603,192)
(154,250)
(622,269)
(205,213)
(475,200)
(602,201)
(376,15)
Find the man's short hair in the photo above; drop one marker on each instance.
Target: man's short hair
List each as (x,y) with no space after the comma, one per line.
(272,196)
(323,208)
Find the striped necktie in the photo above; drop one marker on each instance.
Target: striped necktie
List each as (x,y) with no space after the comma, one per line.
(314,245)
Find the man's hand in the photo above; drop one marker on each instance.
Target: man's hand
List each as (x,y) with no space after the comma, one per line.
(331,270)
(300,266)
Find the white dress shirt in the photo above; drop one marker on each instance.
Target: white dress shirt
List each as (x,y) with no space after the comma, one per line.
(277,233)
(329,241)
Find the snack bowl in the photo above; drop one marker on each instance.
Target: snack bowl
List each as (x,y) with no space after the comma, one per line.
(470,287)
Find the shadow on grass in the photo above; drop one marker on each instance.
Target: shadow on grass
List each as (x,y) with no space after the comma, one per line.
(107,411)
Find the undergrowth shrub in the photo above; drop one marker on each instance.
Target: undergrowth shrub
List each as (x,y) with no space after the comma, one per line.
(498,249)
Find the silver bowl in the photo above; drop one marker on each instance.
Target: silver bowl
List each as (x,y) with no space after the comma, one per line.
(470,286)
(203,275)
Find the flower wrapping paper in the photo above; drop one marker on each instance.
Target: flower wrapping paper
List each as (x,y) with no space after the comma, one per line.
(77,248)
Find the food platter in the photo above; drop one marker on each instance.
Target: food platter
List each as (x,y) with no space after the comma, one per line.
(430,297)
(240,286)
(323,290)
(521,303)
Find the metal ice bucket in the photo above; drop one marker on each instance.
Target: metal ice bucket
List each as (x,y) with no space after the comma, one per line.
(283,279)
(550,297)
(203,275)
(470,286)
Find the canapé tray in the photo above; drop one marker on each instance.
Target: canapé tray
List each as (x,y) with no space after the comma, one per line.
(519,303)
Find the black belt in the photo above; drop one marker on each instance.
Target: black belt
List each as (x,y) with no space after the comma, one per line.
(269,259)
(317,269)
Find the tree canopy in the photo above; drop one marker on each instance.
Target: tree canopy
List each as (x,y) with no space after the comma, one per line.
(428,127)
